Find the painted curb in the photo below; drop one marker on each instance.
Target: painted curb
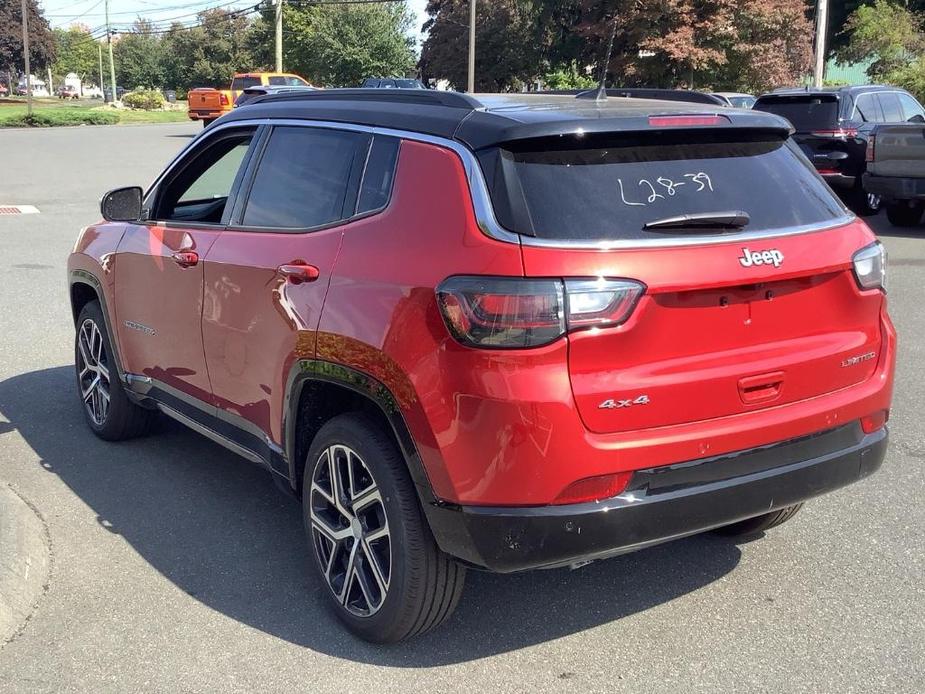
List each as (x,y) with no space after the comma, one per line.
(25,561)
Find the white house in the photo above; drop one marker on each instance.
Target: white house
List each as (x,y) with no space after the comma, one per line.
(38,86)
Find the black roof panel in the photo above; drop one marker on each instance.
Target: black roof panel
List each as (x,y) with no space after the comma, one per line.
(481,120)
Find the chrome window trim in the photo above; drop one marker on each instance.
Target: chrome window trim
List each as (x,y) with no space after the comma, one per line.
(481,201)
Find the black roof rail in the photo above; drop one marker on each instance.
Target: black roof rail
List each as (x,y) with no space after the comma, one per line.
(400,96)
(643,93)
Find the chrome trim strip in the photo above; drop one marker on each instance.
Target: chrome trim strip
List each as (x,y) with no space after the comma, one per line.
(481,200)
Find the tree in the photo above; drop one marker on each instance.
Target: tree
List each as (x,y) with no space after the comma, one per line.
(339,45)
(509,51)
(139,57)
(888,33)
(41,41)
(75,51)
(207,54)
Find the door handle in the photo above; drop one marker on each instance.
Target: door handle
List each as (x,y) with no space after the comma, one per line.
(185,258)
(298,272)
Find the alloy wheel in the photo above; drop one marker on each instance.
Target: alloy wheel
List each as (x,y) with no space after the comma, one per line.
(350,530)
(93,371)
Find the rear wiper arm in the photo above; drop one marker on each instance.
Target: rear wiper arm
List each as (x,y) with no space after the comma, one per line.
(697,221)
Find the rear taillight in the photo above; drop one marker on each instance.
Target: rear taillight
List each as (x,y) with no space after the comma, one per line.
(517,313)
(223,99)
(837,133)
(871,147)
(870,266)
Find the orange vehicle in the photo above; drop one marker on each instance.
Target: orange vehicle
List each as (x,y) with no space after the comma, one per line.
(206,104)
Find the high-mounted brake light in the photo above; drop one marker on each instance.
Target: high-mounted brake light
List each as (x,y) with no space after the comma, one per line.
(686,121)
(518,313)
(837,133)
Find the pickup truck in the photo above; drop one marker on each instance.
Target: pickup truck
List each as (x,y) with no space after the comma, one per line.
(896,170)
(206,104)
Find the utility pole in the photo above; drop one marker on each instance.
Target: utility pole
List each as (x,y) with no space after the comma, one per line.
(279,35)
(471,87)
(112,65)
(25,50)
(100,47)
(822,21)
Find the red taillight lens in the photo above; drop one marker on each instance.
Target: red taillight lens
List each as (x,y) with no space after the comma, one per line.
(593,488)
(874,422)
(502,312)
(837,133)
(688,121)
(223,99)
(871,148)
(512,313)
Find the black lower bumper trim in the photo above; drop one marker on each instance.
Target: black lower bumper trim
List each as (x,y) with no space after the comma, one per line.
(683,502)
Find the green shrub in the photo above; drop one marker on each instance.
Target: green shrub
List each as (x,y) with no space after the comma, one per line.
(568,77)
(50,118)
(145,100)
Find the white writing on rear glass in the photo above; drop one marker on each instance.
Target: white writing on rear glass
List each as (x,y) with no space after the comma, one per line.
(663,187)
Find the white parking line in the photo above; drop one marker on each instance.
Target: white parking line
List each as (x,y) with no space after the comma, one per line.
(17,209)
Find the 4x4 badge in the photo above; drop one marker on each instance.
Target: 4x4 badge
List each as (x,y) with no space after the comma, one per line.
(770,257)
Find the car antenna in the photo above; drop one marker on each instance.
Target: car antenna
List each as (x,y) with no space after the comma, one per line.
(600,94)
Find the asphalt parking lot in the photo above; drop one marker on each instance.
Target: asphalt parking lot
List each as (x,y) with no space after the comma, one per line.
(178,567)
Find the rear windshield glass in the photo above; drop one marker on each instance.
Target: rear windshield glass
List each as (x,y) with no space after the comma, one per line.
(610,190)
(239,83)
(805,113)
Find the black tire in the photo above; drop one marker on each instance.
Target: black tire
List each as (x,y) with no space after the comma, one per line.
(422,585)
(902,214)
(758,524)
(121,418)
(206,122)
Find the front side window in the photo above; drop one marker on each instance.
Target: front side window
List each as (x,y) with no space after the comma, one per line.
(889,104)
(911,107)
(306,177)
(200,190)
(287,81)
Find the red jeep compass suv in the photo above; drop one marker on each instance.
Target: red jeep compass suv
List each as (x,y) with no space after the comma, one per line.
(501,331)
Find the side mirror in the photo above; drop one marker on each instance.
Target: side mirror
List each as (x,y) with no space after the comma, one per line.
(917,118)
(122,205)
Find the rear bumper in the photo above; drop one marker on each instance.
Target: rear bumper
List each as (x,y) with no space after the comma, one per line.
(205,115)
(895,188)
(660,504)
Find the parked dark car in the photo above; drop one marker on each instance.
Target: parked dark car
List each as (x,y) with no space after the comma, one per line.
(896,171)
(501,331)
(392,83)
(832,126)
(252,93)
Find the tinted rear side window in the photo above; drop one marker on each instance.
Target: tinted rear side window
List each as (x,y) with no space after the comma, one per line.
(379,174)
(286,81)
(306,177)
(805,112)
(606,191)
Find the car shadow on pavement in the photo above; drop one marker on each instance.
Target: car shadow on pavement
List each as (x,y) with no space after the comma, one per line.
(215,526)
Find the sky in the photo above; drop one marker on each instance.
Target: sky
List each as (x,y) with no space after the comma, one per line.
(61,13)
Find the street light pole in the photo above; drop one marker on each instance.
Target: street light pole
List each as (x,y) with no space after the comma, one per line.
(471,86)
(822,21)
(112,65)
(25,50)
(100,47)
(279,35)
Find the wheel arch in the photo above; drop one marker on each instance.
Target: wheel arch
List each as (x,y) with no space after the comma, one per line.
(319,390)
